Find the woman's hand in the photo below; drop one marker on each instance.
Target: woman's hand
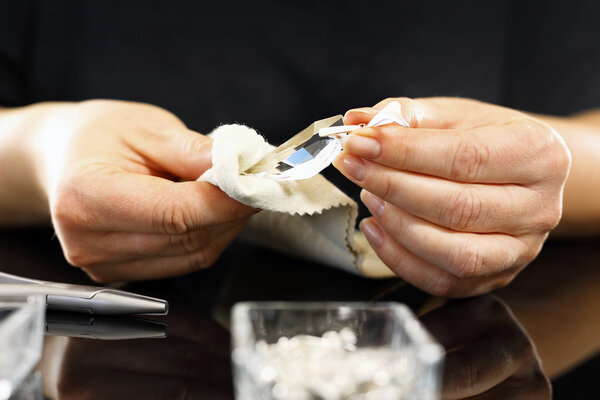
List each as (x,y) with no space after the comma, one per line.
(489,355)
(119,178)
(464,198)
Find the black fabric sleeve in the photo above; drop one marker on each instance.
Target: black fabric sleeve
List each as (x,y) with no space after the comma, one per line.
(16,32)
(553,56)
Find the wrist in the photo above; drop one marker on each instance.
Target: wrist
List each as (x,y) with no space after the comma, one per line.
(581,201)
(24,197)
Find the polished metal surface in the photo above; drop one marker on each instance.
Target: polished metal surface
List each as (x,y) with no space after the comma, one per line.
(82,298)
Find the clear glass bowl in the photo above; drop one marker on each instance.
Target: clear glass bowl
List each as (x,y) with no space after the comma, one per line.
(21,338)
(332,351)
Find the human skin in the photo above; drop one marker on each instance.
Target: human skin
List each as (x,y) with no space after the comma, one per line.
(467,205)
(464,198)
(117,180)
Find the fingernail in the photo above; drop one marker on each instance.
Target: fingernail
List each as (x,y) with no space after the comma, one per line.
(352,166)
(372,231)
(359,115)
(362,146)
(373,203)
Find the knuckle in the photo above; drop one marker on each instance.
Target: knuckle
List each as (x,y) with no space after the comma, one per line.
(554,217)
(388,100)
(67,208)
(189,241)
(198,260)
(468,160)
(197,144)
(551,218)
(412,109)
(554,145)
(404,101)
(387,189)
(173,218)
(401,156)
(173,221)
(72,255)
(441,285)
(563,159)
(549,148)
(80,257)
(465,262)
(99,276)
(500,283)
(549,214)
(463,210)
(394,151)
(531,251)
(211,255)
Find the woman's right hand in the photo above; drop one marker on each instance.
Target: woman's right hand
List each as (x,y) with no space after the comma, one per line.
(120,181)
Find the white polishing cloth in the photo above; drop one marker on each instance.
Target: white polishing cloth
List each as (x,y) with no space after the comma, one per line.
(309,218)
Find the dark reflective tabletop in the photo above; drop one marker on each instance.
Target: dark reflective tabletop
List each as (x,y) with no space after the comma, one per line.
(510,344)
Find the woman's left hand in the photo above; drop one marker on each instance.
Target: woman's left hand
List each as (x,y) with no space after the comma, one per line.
(464,198)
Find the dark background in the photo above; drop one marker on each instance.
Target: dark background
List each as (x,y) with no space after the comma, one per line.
(279,65)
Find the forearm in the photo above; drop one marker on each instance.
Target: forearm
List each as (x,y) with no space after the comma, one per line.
(22,197)
(581,212)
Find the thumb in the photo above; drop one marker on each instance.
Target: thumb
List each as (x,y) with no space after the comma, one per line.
(182,152)
(419,113)
(358,116)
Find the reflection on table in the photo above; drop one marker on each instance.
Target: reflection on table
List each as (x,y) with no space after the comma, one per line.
(500,346)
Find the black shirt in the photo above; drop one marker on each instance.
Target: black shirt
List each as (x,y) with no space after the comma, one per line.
(277,65)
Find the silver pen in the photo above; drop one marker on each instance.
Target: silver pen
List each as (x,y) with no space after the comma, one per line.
(83,299)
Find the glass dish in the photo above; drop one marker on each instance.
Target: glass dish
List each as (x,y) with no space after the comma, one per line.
(332,351)
(21,338)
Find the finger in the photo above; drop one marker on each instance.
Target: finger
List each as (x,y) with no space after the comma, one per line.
(358,116)
(163,267)
(478,367)
(122,201)
(458,206)
(177,150)
(459,139)
(479,316)
(462,254)
(97,248)
(484,154)
(419,113)
(419,272)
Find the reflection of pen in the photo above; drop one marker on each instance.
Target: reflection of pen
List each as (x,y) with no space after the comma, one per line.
(79,298)
(59,323)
